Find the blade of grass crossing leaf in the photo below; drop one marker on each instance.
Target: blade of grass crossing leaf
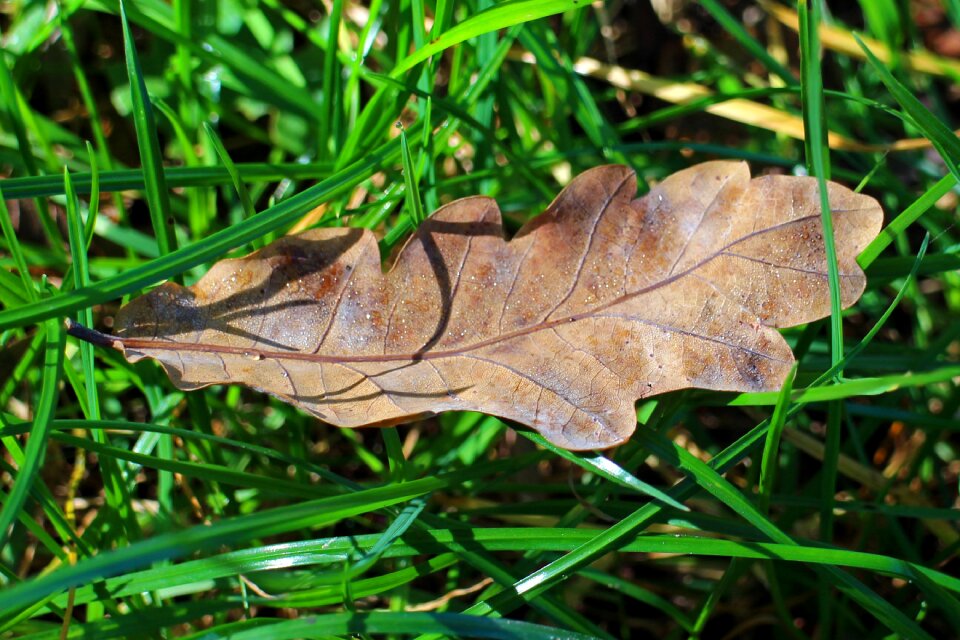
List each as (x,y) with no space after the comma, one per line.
(36,448)
(818,154)
(818,164)
(16,252)
(81,278)
(771,446)
(115,486)
(158,198)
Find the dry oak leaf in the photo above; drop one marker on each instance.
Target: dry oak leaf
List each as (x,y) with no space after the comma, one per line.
(599,301)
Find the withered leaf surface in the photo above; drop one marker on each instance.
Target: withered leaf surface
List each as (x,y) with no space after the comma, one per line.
(599,301)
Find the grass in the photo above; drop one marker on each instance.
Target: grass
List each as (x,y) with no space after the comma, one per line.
(131,509)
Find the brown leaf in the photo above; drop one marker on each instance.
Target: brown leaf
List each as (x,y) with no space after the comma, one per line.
(599,301)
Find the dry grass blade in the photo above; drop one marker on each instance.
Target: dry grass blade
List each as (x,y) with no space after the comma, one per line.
(739,110)
(842,41)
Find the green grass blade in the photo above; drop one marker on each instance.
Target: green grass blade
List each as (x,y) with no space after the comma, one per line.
(13,246)
(43,415)
(411,180)
(330,124)
(125,179)
(939,134)
(158,197)
(851,388)
(748,42)
(238,184)
(818,155)
(606,468)
(499,16)
(81,278)
(771,446)
(818,164)
(11,100)
(907,217)
(329,552)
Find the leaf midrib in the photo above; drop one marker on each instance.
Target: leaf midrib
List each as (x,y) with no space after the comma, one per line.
(259,354)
